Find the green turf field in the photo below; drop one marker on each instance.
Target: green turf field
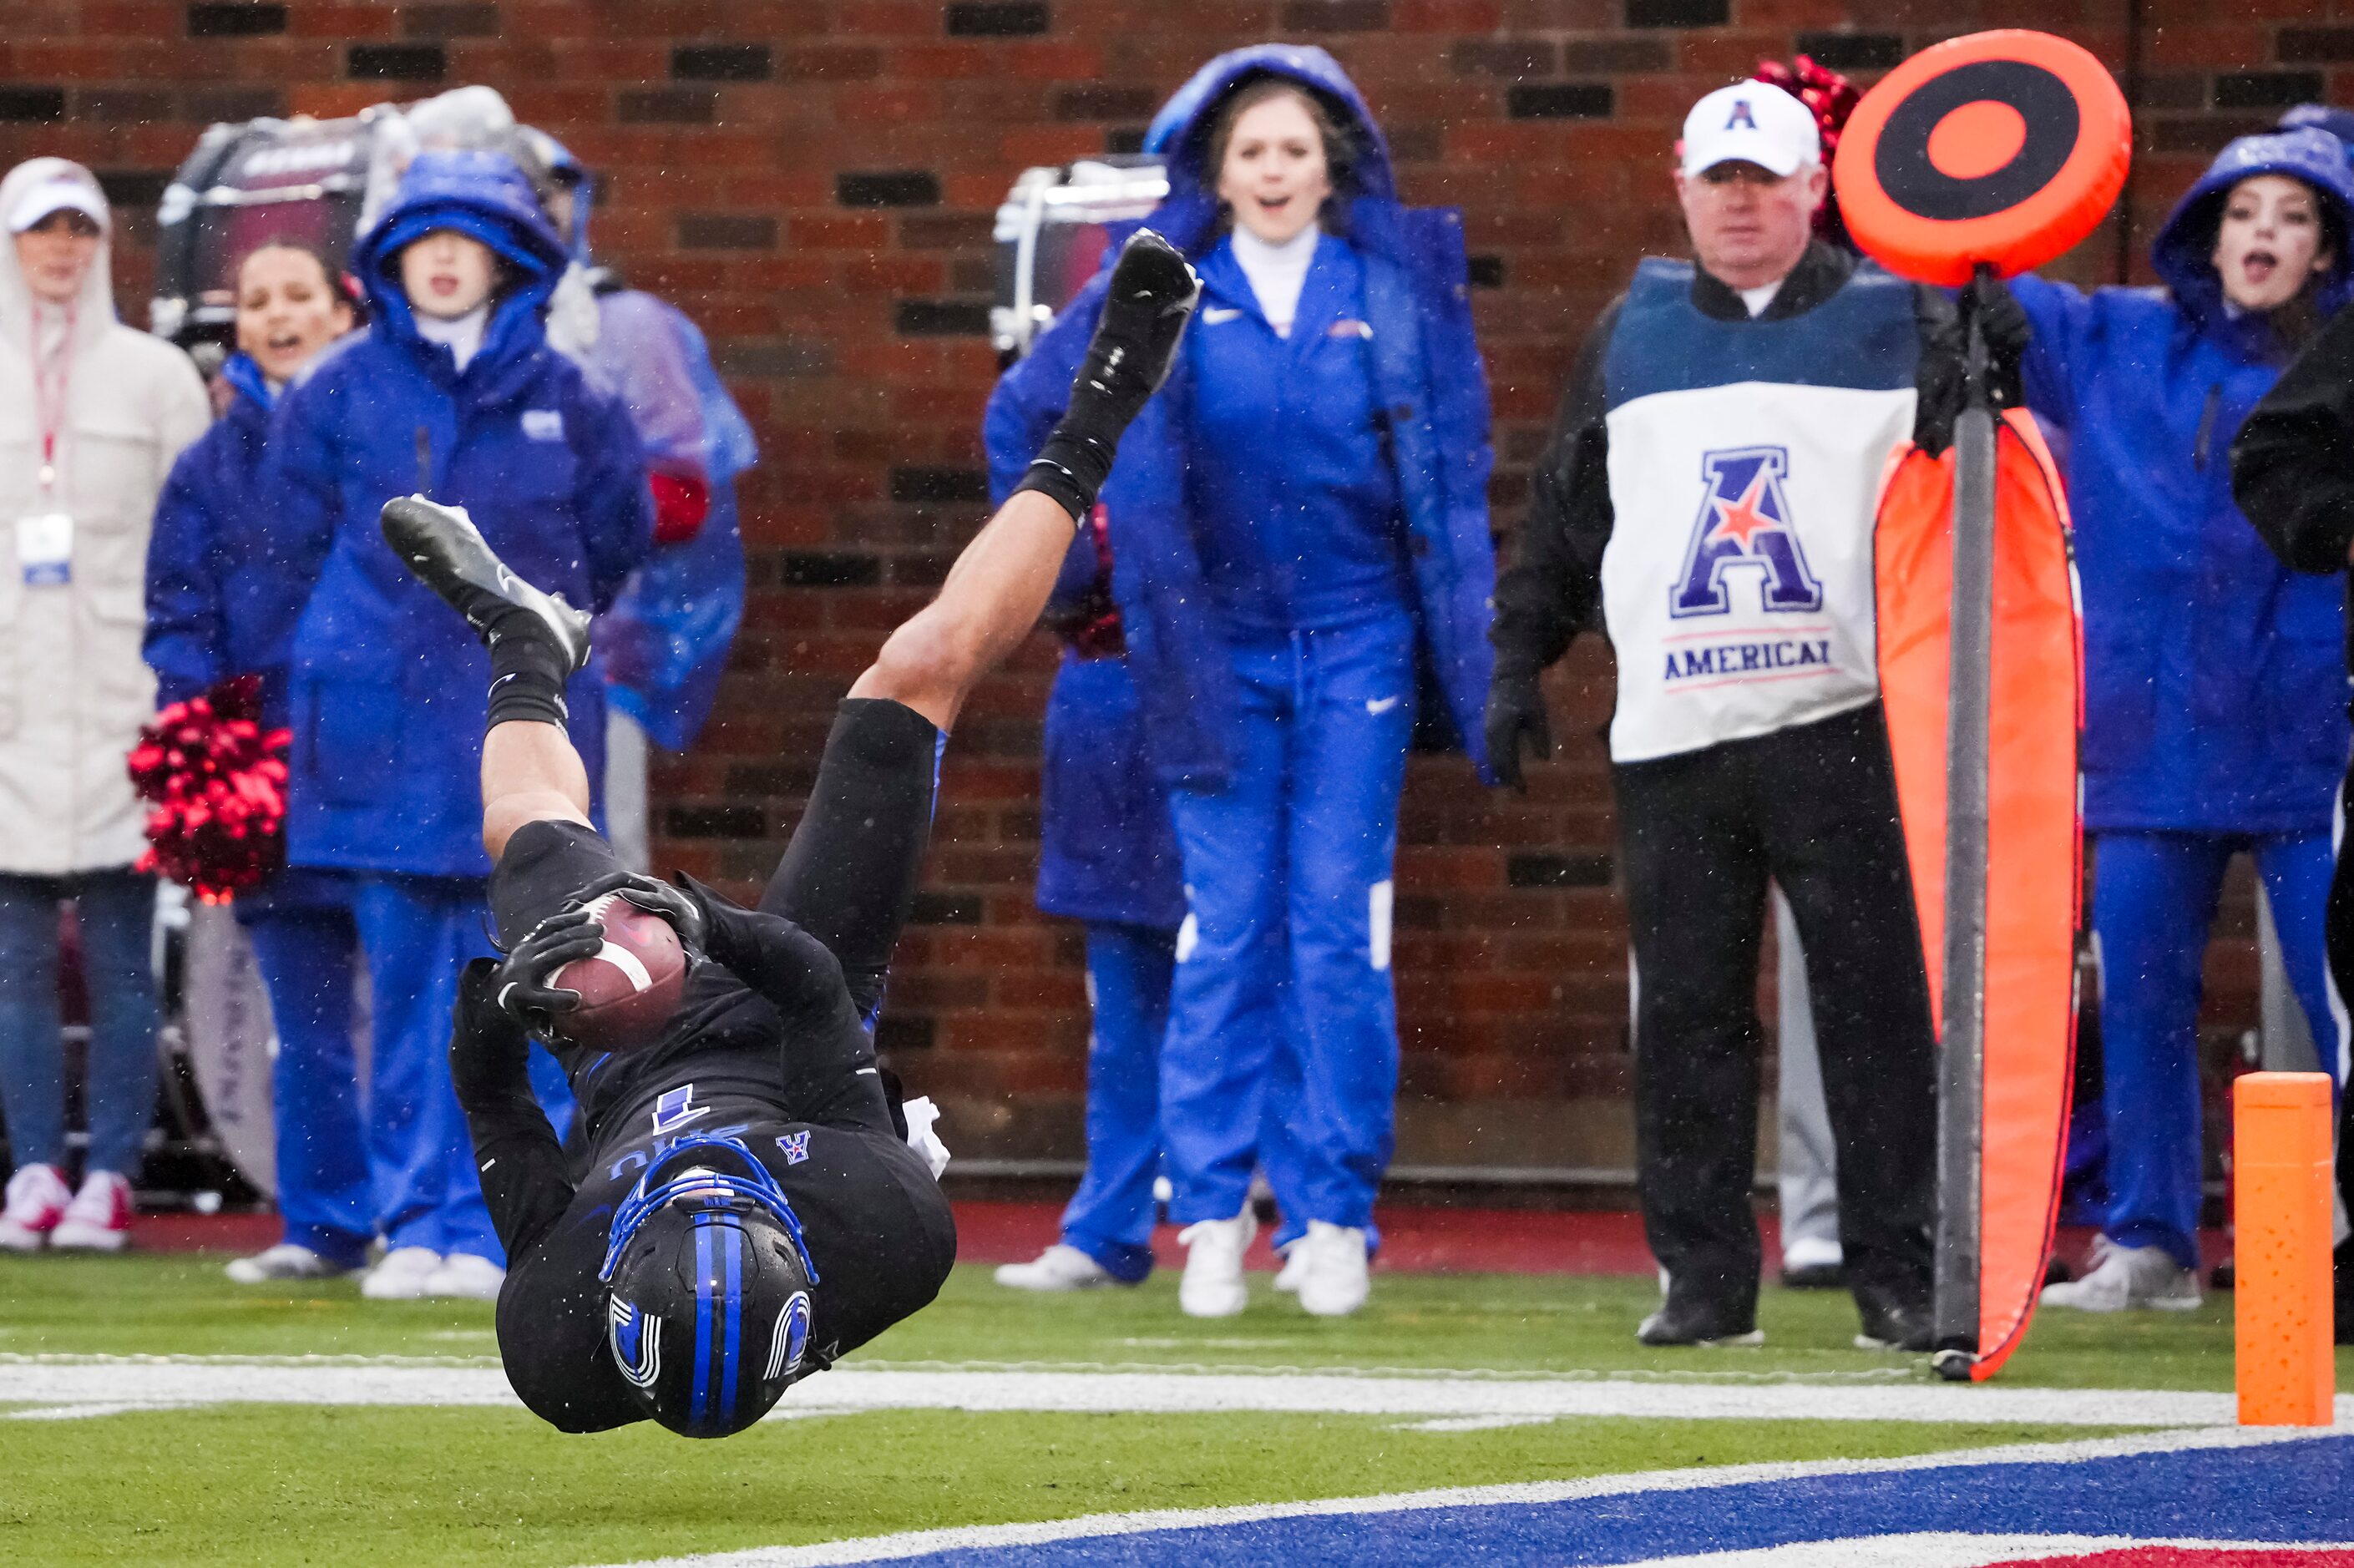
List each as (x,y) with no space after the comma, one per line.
(256,1484)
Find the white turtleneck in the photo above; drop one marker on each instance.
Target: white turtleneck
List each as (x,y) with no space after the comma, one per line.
(1758,298)
(1276,272)
(462,335)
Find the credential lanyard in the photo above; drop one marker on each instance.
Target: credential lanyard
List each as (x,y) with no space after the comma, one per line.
(52,396)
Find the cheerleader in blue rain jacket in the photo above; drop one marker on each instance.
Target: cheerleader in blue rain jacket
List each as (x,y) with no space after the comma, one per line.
(2214,704)
(452,392)
(1296,519)
(219,606)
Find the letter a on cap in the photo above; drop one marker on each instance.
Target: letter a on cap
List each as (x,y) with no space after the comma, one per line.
(1741,116)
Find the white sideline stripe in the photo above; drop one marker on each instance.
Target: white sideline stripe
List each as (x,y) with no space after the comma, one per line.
(1928,1549)
(98,1381)
(106,1381)
(917,1544)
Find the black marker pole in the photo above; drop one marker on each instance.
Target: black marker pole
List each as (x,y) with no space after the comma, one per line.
(1962,1061)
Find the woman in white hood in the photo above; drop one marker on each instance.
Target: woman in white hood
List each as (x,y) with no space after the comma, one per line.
(91,416)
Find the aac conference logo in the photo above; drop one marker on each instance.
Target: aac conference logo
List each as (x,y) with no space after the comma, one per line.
(1743,522)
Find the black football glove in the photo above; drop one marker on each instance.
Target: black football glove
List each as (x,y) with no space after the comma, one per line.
(1150,297)
(489,1051)
(520,982)
(2002,320)
(1516,712)
(678,906)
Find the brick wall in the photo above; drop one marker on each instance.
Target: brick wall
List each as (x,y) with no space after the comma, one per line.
(813,181)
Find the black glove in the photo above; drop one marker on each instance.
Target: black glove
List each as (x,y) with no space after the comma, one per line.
(489,1051)
(2002,321)
(680,906)
(1149,299)
(521,979)
(1516,712)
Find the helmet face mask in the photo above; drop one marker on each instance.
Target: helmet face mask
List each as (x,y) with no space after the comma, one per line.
(709,1316)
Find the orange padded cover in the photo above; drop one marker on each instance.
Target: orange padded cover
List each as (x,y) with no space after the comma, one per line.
(2033,849)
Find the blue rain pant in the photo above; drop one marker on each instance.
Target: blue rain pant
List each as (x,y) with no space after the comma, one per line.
(1288,886)
(114,911)
(418,932)
(1109,1218)
(307,947)
(2152,900)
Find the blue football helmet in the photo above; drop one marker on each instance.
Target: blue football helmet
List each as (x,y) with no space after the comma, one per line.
(709,1315)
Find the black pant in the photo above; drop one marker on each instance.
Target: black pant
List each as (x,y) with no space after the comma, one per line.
(1812,808)
(2338,929)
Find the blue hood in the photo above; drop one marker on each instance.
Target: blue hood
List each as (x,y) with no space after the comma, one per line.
(1188,218)
(486,196)
(2339,122)
(2181,255)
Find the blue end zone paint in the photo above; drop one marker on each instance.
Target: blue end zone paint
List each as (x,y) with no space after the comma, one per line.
(2284,1492)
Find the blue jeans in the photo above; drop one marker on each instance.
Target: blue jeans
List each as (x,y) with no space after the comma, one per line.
(2153,899)
(115,912)
(1287,941)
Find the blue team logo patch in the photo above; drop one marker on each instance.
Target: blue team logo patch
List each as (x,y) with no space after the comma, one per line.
(1741,117)
(789,1344)
(676,1109)
(795,1145)
(636,1341)
(1743,522)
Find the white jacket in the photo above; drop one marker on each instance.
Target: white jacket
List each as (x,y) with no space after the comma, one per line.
(73,687)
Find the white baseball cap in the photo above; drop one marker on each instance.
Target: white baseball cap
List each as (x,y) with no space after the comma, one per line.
(59,193)
(1756,123)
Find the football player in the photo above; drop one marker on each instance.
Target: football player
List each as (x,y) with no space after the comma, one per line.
(750,1209)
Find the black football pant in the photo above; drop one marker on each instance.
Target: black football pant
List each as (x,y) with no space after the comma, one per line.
(1812,808)
(2328,1042)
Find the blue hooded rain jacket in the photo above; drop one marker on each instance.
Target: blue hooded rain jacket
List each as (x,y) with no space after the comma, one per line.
(2215,683)
(1424,367)
(386,683)
(219,573)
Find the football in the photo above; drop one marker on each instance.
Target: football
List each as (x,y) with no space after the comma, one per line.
(630,988)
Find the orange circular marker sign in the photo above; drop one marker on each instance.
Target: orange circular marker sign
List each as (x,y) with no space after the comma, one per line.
(2000,148)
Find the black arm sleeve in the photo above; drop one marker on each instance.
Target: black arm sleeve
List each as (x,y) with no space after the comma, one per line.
(849,874)
(516,1154)
(1554,588)
(2293,465)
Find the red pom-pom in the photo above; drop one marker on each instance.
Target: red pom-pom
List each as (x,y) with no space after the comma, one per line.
(1832,99)
(217,780)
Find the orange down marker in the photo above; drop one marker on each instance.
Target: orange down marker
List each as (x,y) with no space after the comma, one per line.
(2280,1176)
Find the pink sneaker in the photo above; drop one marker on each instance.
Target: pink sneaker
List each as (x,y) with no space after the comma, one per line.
(37,1199)
(99,1218)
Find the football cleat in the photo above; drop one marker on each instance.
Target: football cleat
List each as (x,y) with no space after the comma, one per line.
(1149,299)
(441,546)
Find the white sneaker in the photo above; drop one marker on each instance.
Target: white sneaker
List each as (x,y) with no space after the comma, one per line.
(401,1275)
(1295,1262)
(38,1198)
(1333,1281)
(99,1218)
(1212,1285)
(2124,1277)
(287,1260)
(463,1276)
(1060,1268)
